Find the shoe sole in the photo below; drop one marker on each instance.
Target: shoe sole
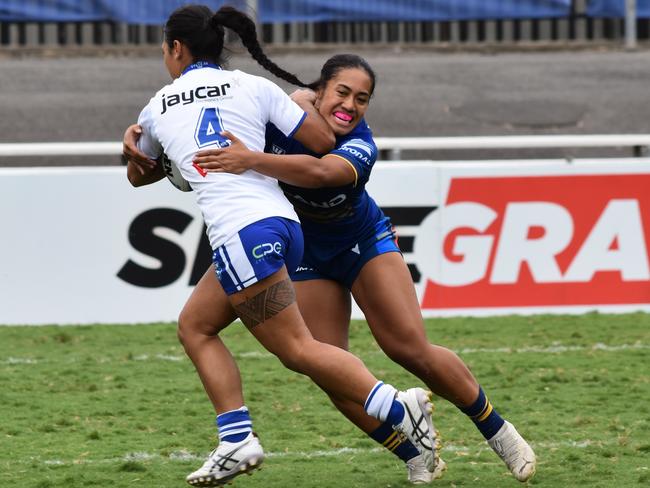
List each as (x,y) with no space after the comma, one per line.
(246,467)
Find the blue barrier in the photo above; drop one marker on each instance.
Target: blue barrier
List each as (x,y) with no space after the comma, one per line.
(155,12)
(280,11)
(616,8)
(148,12)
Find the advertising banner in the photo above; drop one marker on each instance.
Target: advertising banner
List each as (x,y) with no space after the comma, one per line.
(80,245)
(73,240)
(523,236)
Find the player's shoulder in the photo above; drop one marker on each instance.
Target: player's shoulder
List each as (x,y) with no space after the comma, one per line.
(252,79)
(359,140)
(361,132)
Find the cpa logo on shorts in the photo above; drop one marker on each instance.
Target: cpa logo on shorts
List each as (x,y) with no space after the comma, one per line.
(262,250)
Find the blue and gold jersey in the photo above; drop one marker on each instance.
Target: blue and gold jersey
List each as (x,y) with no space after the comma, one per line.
(334,217)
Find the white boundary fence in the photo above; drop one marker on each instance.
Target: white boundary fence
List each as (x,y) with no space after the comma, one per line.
(394,145)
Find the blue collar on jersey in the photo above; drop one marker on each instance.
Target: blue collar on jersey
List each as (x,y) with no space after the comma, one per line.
(360,129)
(200,64)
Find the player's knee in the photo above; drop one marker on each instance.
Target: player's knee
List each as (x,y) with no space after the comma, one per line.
(294,357)
(293,360)
(411,357)
(182,330)
(187,328)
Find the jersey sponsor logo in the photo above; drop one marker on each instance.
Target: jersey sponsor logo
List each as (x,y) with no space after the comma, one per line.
(275,149)
(332,202)
(359,148)
(190,96)
(266,248)
(537,241)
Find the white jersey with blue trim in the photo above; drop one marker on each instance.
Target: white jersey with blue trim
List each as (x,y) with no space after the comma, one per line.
(189,114)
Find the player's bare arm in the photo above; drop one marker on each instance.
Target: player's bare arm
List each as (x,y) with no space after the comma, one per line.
(314,133)
(296,169)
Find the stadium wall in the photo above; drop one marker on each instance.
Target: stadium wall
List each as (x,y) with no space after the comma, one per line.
(425,22)
(80,246)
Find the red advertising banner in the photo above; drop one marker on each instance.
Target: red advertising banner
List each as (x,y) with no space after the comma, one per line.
(524,241)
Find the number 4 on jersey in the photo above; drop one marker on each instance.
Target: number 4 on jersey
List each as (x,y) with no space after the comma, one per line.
(209,128)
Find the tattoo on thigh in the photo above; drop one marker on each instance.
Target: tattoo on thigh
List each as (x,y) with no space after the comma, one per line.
(266,304)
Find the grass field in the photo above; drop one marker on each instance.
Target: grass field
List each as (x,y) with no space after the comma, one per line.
(121,406)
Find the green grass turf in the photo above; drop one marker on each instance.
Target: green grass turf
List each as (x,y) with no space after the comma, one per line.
(121,406)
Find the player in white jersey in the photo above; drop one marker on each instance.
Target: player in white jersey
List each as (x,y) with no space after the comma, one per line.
(253,230)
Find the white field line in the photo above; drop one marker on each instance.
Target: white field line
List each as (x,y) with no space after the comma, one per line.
(11,360)
(555,348)
(184,456)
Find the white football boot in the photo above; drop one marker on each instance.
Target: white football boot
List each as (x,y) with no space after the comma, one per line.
(228,460)
(515,452)
(417,426)
(418,474)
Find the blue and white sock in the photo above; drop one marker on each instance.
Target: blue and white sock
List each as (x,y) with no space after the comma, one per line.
(383,405)
(235,425)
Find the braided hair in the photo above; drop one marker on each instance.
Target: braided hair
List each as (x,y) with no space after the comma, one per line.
(202,31)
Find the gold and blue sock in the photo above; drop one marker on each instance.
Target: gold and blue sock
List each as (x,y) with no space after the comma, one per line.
(484,416)
(394,442)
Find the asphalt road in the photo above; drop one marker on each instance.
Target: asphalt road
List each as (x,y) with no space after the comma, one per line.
(419,93)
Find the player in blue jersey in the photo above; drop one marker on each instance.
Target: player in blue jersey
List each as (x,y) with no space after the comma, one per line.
(252,228)
(350,248)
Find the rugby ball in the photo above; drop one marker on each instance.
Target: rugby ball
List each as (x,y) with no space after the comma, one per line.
(174,175)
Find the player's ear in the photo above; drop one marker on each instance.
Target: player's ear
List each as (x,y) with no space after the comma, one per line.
(177,48)
(319,97)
